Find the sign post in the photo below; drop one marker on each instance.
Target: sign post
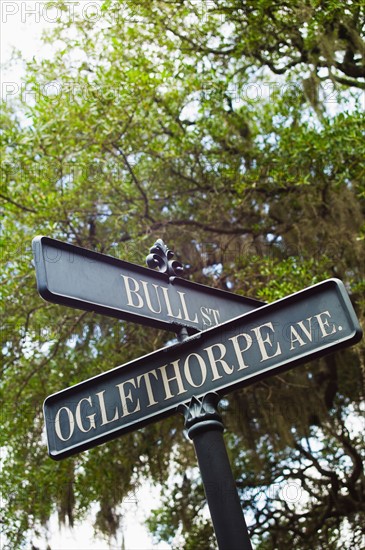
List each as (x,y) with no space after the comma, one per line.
(191,376)
(205,428)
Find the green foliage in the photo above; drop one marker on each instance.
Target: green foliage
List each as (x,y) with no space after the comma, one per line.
(151,132)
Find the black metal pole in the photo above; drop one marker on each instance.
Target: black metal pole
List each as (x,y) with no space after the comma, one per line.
(205,428)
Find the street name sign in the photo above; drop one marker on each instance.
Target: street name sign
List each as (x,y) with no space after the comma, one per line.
(260,343)
(83,279)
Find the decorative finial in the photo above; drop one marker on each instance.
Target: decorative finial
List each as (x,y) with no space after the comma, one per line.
(201,411)
(160,257)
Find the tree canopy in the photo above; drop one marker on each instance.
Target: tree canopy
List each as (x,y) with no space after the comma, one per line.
(234,131)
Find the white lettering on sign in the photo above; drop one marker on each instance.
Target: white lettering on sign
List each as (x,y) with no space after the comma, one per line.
(125,397)
(71,423)
(90,417)
(177,378)
(213,361)
(323,324)
(148,299)
(265,340)
(104,416)
(128,281)
(211,365)
(202,367)
(238,351)
(302,333)
(210,317)
(295,336)
(146,377)
(164,300)
(176,315)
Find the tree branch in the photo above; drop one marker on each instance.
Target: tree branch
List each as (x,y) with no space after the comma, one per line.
(25,208)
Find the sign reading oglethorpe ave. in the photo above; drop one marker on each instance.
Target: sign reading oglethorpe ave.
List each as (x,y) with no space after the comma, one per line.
(80,278)
(261,343)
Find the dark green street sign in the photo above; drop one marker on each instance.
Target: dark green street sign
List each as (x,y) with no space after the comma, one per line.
(83,279)
(261,343)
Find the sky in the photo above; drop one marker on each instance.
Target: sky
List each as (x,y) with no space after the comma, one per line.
(22,24)
(81,537)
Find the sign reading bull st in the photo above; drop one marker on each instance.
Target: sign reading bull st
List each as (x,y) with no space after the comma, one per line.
(77,277)
(241,341)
